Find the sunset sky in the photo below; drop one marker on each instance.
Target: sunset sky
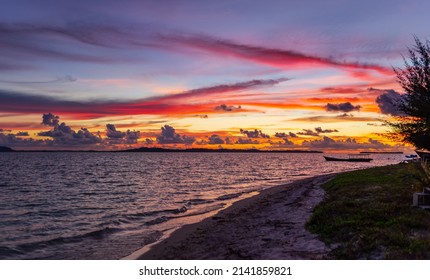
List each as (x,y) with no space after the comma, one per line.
(209,74)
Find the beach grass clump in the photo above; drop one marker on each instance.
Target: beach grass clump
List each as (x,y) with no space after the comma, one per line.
(368,214)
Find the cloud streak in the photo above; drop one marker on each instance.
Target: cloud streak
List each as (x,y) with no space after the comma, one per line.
(171,104)
(32,40)
(336,119)
(65,79)
(224,88)
(268,56)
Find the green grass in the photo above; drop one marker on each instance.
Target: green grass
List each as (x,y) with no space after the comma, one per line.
(368,214)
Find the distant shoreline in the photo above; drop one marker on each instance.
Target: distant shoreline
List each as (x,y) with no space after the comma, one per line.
(393,153)
(164,150)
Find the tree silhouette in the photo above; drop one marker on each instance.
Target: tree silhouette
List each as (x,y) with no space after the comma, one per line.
(414,78)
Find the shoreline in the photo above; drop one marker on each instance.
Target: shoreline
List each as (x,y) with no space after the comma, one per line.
(269,225)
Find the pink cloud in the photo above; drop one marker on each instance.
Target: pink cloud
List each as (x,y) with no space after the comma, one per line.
(269,56)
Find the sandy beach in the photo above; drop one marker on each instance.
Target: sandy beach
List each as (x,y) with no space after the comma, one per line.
(270,225)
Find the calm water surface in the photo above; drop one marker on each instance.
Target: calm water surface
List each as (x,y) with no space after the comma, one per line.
(107,205)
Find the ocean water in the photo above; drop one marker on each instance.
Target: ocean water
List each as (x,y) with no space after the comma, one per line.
(108,205)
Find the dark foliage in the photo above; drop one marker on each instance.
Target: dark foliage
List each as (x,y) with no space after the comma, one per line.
(414,127)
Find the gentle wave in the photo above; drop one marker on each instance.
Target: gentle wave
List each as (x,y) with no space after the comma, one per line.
(29,247)
(153,213)
(99,205)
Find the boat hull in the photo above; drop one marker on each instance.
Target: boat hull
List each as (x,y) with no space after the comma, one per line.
(423,155)
(348,159)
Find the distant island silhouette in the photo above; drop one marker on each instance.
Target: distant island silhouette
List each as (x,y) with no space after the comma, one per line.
(166,150)
(6,149)
(202,150)
(381,152)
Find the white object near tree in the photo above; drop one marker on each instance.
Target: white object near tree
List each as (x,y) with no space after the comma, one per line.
(421,199)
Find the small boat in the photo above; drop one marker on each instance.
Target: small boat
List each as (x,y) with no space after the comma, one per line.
(411,156)
(422,154)
(351,158)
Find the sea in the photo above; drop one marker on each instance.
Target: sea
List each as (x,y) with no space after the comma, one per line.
(83,205)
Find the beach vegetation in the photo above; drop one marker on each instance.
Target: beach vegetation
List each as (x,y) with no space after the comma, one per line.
(412,126)
(368,214)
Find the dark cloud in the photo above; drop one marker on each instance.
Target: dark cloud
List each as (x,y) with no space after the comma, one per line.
(22,133)
(50,119)
(111,132)
(349,143)
(228,141)
(215,140)
(320,130)
(86,137)
(244,141)
(58,131)
(327,142)
(308,132)
(11,140)
(342,107)
(389,102)
(169,136)
(63,134)
(132,136)
(281,144)
(288,142)
(284,143)
(345,115)
(284,135)
(281,134)
(254,133)
(149,141)
(316,132)
(226,108)
(377,124)
(129,137)
(5,130)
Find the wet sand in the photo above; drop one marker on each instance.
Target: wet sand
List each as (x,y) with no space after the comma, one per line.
(270,225)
